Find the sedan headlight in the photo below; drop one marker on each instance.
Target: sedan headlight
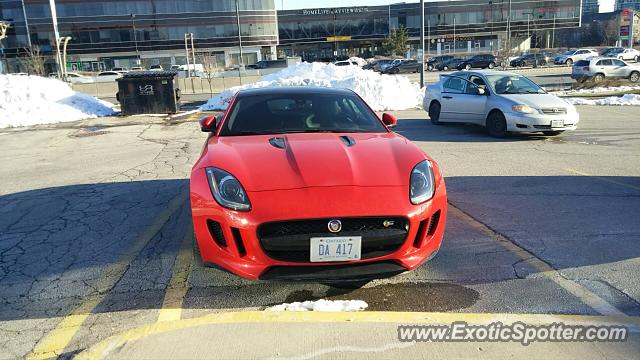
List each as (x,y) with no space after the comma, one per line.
(227,190)
(422,184)
(522,109)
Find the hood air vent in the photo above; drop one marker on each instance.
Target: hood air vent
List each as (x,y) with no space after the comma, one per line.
(277,142)
(348,140)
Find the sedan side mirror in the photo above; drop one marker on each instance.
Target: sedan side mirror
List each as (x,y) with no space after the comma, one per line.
(208,124)
(389,120)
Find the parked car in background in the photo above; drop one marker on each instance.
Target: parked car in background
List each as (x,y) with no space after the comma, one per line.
(452,64)
(433,62)
(571,56)
(381,64)
(137,68)
(403,66)
(345,63)
(529,60)
(108,76)
(269,64)
(76,78)
(156,67)
(119,69)
(627,54)
(482,61)
(600,68)
(501,101)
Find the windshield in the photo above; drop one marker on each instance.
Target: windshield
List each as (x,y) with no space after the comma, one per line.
(570,52)
(513,84)
(300,113)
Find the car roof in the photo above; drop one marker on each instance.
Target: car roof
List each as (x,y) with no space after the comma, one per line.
(486,72)
(295,90)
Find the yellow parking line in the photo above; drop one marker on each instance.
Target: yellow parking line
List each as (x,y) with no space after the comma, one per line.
(178,285)
(629,186)
(54,342)
(586,296)
(102,348)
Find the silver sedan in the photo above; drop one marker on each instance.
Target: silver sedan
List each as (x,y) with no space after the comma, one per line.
(503,102)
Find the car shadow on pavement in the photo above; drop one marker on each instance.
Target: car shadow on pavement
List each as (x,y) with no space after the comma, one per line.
(424,130)
(56,243)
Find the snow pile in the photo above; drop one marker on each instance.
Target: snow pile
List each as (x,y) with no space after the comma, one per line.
(32,100)
(598,90)
(322,305)
(381,92)
(627,99)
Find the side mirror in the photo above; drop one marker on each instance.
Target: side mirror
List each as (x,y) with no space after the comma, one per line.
(208,124)
(389,120)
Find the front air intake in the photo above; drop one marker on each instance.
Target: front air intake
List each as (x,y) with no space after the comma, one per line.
(215,230)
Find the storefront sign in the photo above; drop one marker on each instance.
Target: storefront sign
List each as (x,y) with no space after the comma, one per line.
(336,11)
(338,38)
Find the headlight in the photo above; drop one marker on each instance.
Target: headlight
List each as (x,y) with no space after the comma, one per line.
(421,184)
(227,190)
(522,109)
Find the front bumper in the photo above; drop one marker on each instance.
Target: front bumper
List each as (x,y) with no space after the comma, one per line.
(527,123)
(243,254)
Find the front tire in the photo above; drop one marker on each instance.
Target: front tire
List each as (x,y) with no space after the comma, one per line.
(492,65)
(497,125)
(429,67)
(598,78)
(434,112)
(634,77)
(553,133)
(467,67)
(569,62)
(445,68)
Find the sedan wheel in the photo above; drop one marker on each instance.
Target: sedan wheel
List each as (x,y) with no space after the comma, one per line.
(491,65)
(445,68)
(430,67)
(497,125)
(569,62)
(598,78)
(468,66)
(434,113)
(634,77)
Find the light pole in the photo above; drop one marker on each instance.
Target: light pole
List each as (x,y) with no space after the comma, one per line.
(421,44)
(241,64)
(491,23)
(56,34)
(65,40)
(135,38)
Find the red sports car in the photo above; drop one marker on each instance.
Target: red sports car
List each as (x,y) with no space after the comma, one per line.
(308,183)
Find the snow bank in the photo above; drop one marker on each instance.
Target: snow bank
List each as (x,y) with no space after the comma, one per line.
(598,90)
(322,305)
(627,99)
(381,92)
(32,100)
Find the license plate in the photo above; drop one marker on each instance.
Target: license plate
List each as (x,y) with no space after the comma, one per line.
(557,123)
(345,248)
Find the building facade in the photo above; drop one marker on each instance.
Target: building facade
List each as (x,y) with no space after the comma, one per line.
(628,4)
(127,33)
(590,7)
(450,26)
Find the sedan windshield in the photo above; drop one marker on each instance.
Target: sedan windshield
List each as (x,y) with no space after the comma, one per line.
(300,113)
(513,84)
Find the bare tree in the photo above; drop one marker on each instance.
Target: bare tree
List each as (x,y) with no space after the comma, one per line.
(34,61)
(210,67)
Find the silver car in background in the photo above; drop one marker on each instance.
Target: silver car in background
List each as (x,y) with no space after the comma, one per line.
(600,68)
(503,102)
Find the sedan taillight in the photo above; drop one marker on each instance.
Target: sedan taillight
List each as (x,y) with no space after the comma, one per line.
(586,68)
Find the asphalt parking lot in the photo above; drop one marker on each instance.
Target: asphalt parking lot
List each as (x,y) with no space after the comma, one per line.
(95,233)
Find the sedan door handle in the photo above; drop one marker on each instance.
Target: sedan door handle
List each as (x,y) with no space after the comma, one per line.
(447,97)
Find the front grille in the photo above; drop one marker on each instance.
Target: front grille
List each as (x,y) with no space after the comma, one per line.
(554,111)
(289,240)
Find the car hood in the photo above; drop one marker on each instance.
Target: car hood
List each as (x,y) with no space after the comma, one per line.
(537,101)
(295,161)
